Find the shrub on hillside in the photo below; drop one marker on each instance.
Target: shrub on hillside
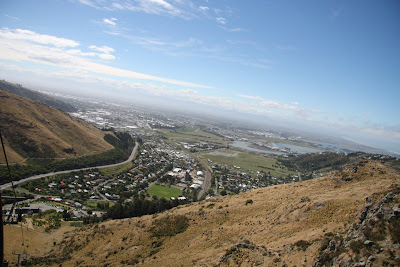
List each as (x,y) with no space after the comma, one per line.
(169,226)
(249,201)
(356,246)
(302,245)
(394,229)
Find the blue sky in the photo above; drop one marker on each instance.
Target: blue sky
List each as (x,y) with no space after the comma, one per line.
(329,64)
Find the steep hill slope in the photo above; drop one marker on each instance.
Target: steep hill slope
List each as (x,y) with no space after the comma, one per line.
(34,95)
(307,223)
(36,130)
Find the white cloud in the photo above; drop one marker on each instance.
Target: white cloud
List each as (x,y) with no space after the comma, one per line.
(11,17)
(184,9)
(151,42)
(162,3)
(19,48)
(104,49)
(235,29)
(277,105)
(106,56)
(31,36)
(78,52)
(159,7)
(246,61)
(116,5)
(88,3)
(251,97)
(264,106)
(110,21)
(197,48)
(221,20)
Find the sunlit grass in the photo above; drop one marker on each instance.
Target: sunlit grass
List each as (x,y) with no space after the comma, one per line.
(117,169)
(189,136)
(162,191)
(249,161)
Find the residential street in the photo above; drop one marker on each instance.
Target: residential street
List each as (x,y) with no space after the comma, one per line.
(7,185)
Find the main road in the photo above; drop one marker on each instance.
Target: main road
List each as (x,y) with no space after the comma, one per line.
(207,178)
(5,186)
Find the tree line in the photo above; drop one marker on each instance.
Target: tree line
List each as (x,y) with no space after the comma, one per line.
(139,206)
(315,161)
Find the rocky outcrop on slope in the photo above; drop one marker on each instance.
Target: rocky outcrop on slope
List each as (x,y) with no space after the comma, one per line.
(373,240)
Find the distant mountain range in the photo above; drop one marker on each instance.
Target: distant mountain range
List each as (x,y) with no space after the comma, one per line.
(32,129)
(37,96)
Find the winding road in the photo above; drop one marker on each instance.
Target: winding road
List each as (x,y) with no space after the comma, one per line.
(7,185)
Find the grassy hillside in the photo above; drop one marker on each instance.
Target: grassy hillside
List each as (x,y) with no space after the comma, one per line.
(41,139)
(36,96)
(39,242)
(306,223)
(36,130)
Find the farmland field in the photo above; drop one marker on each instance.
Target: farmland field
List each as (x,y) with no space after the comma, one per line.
(247,160)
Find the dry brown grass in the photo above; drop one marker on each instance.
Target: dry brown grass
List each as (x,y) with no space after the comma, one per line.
(35,240)
(280,218)
(47,125)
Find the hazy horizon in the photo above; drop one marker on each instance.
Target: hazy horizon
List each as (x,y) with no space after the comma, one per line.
(241,119)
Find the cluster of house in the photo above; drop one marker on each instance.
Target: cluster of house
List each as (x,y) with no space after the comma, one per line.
(187,178)
(72,185)
(236,179)
(159,160)
(122,117)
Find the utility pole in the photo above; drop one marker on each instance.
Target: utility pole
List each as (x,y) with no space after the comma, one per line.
(24,254)
(19,253)
(4,263)
(1,234)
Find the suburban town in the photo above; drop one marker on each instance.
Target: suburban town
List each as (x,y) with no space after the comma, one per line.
(179,157)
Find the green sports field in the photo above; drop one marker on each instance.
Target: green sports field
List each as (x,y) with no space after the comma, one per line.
(162,191)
